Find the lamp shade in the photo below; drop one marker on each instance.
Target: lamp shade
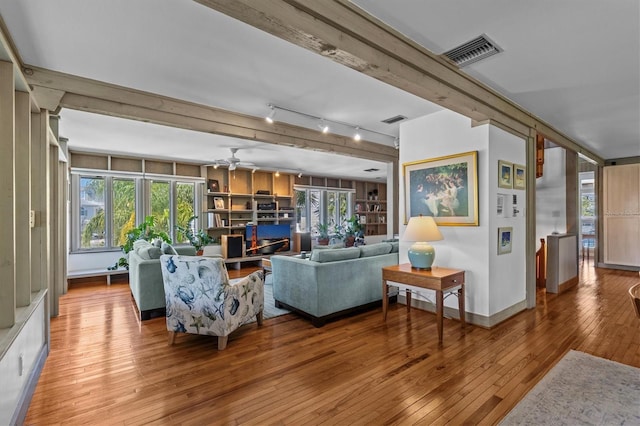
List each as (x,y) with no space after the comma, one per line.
(422,229)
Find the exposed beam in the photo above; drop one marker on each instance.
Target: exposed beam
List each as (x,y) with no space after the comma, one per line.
(99,97)
(340,31)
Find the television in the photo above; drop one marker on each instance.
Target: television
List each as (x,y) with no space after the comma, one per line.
(267,239)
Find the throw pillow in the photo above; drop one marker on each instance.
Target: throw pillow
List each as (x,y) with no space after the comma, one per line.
(141,243)
(149,253)
(375,249)
(168,249)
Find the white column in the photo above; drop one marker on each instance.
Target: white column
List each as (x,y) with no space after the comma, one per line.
(40,254)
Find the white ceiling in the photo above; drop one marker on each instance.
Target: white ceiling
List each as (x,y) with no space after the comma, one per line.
(578,69)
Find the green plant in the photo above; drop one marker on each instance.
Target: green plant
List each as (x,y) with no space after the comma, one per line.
(353,227)
(197,239)
(145,231)
(323,231)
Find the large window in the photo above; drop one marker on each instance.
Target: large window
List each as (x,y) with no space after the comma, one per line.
(107,207)
(92,212)
(124,209)
(320,205)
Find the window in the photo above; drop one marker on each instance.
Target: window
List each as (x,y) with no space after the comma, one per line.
(319,205)
(186,195)
(105,208)
(92,212)
(160,205)
(124,209)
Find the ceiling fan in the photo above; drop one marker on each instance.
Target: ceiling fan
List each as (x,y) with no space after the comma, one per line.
(232,162)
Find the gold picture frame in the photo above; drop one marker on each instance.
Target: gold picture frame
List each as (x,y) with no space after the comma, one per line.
(519,176)
(445,188)
(505,174)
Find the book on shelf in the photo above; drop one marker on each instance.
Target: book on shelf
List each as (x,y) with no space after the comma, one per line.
(215,221)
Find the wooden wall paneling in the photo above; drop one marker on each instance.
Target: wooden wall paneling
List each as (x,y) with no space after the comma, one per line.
(89,161)
(158,167)
(126,164)
(240,181)
(318,181)
(191,170)
(23,198)
(7,197)
(262,181)
(283,184)
(40,198)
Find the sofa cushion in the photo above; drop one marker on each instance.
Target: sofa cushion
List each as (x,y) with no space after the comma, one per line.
(329,247)
(333,255)
(168,249)
(148,253)
(395,246)
(375,249)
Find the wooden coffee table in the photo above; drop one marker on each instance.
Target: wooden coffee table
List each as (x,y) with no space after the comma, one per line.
(439,279)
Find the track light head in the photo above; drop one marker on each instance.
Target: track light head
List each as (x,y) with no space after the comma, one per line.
(323,126)
(396,143)
(356,135)
(300,175)
(277,173)
(272,113)
(215,166)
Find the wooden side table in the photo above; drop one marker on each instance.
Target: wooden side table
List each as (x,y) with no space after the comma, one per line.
(439,279)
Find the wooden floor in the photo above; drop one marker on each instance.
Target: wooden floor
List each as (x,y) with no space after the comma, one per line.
(105,367)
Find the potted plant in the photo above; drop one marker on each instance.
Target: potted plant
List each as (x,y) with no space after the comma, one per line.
(145,231)
(197,239)
(323,234)
(352,230)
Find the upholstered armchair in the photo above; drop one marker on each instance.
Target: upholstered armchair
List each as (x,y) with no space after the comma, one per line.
(200,299)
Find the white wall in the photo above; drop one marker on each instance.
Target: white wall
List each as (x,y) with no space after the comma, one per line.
(551,189)
(507,271)
(492,283)
(88,261)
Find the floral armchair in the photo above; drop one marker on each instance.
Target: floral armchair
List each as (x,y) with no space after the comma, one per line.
(200,299)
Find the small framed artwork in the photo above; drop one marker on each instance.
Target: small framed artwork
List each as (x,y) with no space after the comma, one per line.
(519,177)
(363,219)
(505,236)
(505,174)
(213,186)
(218,203)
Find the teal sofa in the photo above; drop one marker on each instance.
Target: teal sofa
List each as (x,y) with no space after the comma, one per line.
(332,282)
(145,276)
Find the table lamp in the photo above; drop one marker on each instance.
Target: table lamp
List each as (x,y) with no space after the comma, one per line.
(421,230)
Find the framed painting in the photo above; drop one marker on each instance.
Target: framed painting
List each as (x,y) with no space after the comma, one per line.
(213,185)
(504,240)
(445,188)
(505,174)
(218,203)
(519,177)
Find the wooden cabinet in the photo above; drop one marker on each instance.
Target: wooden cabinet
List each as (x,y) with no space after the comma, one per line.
(371,206)
(622,215)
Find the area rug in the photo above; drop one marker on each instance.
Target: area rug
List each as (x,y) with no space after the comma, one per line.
(270,310)
(581,390)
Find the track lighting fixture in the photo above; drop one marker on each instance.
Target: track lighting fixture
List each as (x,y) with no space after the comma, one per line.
(299,175)
(272,113)
(255,169)
(323,124)
(396,143)
(356,135)
(215,166)
(277,173)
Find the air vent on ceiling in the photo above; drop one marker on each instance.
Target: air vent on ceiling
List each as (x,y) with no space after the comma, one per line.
(395,119)
(472,51)
(372,170)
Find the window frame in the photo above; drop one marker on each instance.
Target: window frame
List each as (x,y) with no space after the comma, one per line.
(142,183)
(323,199)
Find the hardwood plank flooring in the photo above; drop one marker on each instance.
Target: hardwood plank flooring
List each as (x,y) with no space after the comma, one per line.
(106,367)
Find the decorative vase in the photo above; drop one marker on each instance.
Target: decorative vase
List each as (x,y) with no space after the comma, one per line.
(199,252)
(323,241)
(349,241)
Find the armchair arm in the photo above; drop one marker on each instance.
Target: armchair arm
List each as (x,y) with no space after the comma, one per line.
(244,299)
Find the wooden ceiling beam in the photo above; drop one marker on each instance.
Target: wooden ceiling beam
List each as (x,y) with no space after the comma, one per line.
(339,30)
(104,98)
